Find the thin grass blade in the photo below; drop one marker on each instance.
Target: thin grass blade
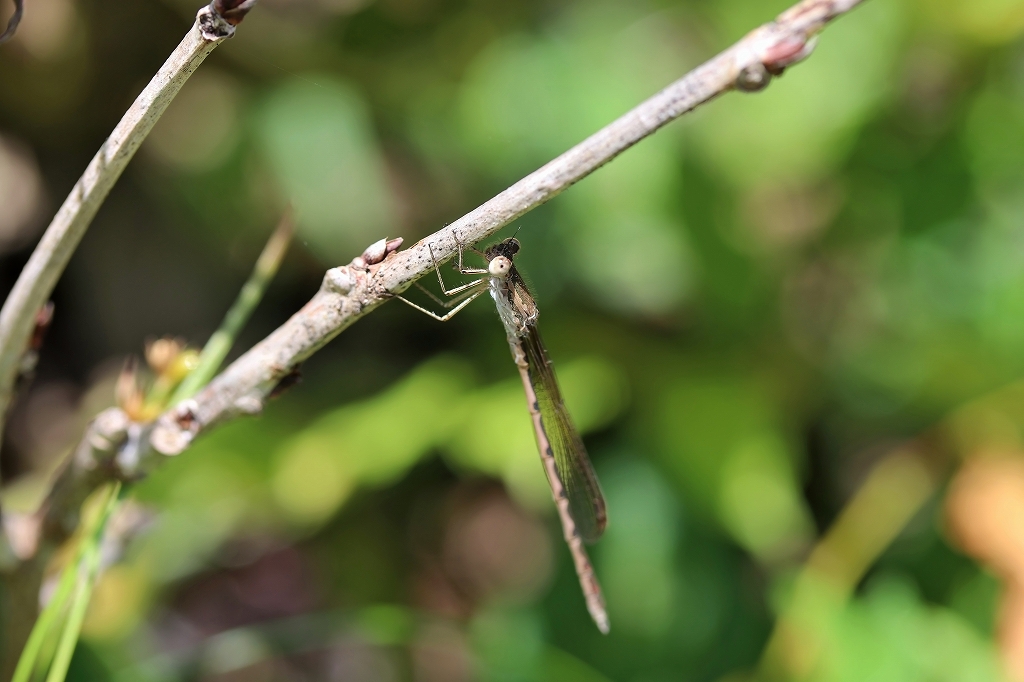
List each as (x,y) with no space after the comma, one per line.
(217,348)
(87,569)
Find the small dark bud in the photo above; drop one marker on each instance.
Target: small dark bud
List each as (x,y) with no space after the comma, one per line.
(42,324)
(379,250)
(185,418)
(375,252)
(232,11)
(786,53)
(753,78)
(286,382)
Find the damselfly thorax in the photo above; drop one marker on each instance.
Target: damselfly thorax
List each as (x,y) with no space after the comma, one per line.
(516,307)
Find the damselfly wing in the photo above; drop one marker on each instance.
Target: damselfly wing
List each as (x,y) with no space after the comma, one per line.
(586,502)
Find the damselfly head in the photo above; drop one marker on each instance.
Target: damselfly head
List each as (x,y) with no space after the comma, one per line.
(499,267)
(506,247)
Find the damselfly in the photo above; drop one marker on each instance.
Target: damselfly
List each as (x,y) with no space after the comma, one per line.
(570,474)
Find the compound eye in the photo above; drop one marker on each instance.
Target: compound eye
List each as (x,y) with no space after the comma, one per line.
(499,266)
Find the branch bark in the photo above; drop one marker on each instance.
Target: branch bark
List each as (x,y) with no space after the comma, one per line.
(51,256)
(349,292)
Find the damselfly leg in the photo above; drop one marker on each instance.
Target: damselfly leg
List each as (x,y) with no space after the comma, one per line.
(465,290)
(461,268)
(450,314)
(464,271)
(455,300)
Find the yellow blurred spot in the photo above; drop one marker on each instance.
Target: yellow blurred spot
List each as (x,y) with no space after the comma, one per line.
(21,193)
(200,128)
(759,501)
(46,32)
(185,362)
(596,392)
(310,483)
(160,353)
(985,21)
(117,603)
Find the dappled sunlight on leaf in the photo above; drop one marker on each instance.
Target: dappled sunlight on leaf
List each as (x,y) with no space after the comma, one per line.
(370,443)
(760,501)
(527,99)
(317,135)
(731,452)
(637,552)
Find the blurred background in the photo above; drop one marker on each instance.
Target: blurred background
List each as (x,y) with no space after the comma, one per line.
(790,327)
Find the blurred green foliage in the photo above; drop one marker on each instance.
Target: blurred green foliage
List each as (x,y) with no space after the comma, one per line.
(746,311)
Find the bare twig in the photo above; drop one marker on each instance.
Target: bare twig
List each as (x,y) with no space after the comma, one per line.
(54,250)
(350,292)
(12,23)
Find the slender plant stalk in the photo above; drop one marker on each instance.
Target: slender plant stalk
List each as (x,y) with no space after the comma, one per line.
(29,660)
(212,356)
(216,349)
(51,255)
(76,584)
(89,567)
